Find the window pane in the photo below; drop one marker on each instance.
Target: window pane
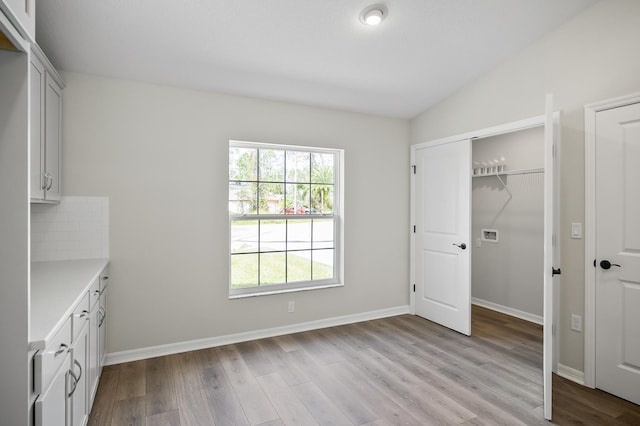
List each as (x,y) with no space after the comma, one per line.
(323,233)
(243,198)
(322,168)
(243,164)
(244,236)
(299,266)
(273,268)
(298,234)
(271,165)
(322,199)
(271,198)
(297,199)
(273,235)
(244,270)
(298,166)
(322,264)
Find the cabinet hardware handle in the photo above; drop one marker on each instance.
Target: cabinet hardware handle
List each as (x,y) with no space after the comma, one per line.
(61,349)
(44,179)
(75,383)
(105,278)
(84,314)
(75,361)
(96,292)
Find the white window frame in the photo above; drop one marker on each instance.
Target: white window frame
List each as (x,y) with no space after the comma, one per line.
(338,228)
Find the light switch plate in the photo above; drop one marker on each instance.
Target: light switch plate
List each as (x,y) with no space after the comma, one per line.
(576,322)
(576,230)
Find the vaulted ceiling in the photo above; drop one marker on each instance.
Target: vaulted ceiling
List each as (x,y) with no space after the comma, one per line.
(313,52)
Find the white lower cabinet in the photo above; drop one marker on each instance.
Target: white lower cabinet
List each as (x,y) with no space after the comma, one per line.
(67,371)
(51,407)
(93,370)
(78,395)
(51,373)
(102,320)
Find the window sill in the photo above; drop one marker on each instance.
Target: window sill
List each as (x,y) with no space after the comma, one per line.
(283,290)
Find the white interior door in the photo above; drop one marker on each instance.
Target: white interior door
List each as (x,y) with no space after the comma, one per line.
(617,222)
(550,255)
(442,185)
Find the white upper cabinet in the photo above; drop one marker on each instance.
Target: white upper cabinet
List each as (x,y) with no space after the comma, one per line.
(52,137)
(22,14)
(36,110)
(45,105)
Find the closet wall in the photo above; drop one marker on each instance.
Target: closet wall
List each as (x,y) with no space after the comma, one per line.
(507,274)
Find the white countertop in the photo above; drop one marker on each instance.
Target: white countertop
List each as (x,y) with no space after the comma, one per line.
(56,287)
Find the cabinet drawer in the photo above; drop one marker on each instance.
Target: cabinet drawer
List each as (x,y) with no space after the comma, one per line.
(48,362)
(94,293)
(80,317)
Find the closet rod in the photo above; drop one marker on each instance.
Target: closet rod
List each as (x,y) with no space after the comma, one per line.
(513,172)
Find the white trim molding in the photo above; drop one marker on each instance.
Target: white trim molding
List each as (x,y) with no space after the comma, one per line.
(572,374)
(537,319)
(590,112)
(193,345)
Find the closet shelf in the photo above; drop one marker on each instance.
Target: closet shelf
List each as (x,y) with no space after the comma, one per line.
(511,172)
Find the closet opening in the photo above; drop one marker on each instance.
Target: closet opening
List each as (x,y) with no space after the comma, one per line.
(507,223)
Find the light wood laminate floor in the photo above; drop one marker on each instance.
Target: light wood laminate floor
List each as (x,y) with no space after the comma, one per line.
(399,370)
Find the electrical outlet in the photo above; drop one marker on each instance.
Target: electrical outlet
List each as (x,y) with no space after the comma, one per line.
(292,306)
(576,322)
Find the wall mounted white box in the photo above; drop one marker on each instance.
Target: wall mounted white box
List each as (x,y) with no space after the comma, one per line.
(490,235)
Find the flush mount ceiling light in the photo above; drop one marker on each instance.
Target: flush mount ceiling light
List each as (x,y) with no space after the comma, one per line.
(374,14)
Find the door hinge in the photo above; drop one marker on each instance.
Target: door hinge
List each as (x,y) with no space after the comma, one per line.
(414,231)
(414,288)
(414,169)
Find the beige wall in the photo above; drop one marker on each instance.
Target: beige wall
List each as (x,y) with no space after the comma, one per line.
(593,57)
(160,155)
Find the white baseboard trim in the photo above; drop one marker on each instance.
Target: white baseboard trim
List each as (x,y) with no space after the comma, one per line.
(572,374)
(507,310)
(192,345)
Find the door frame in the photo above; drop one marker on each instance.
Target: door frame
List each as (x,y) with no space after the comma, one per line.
(590,113)
(501,129)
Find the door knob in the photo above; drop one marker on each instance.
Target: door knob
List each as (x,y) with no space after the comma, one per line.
(462,246)
(605,264)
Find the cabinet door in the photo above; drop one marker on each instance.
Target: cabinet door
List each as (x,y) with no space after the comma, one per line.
(78,394)
(102,331)
(51,407)
(92,362)
(36,141)
(102,324)
(52,137)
